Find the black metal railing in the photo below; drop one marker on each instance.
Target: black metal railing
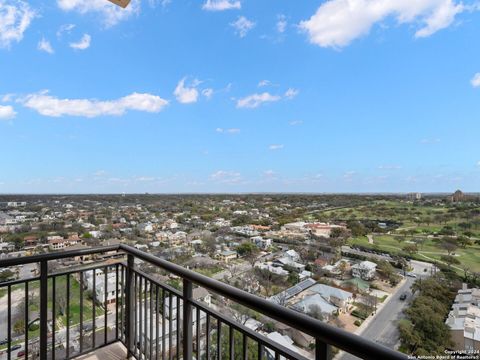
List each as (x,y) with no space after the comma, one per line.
(90,307)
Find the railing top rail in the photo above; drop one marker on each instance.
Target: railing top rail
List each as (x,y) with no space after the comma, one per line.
(55,256)
(339,338)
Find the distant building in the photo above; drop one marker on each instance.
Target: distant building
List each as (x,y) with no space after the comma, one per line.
(16,203)
(464,319)
(227,255)
(364,270)
(414,196)
(261,243)
(457,196)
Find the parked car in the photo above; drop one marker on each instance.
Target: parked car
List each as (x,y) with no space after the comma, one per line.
(412,275)
(403,296)
(21,354)
(15,347)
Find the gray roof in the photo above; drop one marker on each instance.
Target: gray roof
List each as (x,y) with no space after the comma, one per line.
(328,291)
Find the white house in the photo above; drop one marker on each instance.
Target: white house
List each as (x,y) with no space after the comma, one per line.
(261,243)
(364,270)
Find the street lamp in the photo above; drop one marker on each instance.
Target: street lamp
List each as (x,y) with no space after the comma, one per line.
(121,3)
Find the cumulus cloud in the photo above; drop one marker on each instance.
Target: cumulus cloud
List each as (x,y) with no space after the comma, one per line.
(255,100)
(111,14)
(281,23)
(221,5)
(44,45)
(83,43)
(7,112)
(475,80)
(186,94)
(339,22)
(48,105)
(291,93)
(242,26)
(227,131)
(276,147)
(15,18)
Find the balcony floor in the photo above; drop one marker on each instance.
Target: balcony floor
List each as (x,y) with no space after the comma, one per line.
(114,351)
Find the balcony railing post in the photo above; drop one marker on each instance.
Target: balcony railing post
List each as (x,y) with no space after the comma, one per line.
(129,306)
(44,309)
(323,351)
(187,320)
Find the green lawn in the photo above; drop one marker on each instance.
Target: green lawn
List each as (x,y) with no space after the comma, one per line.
(470,257)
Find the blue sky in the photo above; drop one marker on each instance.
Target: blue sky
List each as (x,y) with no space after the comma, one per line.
(239,96)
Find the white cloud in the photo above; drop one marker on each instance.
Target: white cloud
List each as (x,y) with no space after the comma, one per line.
(44,45)
(65,28)
(186,94)
(478,163)
(208,93)
(475,80)
(338,22)
(227,131)
(7,112)
(83,43)
(242,26)
(291,93)
(281,23)
(263,83)
(255,100)
(221,5)
(276,147)
(110,13)
(7,97)
(15,18)
(226,177)
(48,105)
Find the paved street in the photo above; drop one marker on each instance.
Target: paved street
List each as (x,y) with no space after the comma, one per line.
(383,328)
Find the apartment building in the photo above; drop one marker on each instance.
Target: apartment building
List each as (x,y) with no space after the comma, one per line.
(464,319)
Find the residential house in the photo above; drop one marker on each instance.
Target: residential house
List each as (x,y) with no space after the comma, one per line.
(227,255)
(364,270)
(261,243)
(338,297)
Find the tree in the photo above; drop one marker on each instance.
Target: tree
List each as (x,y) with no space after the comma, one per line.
(450,260)
(410,249)
(249,251)
(449,246)
(342,267)
(315,311)
(464,241)
(6,275)
(19,326)
(425,331)
(293,278)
